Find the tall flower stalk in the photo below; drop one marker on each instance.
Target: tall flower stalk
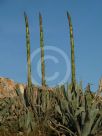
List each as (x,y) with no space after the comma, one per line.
(42,51)
(28,51)
(72,50)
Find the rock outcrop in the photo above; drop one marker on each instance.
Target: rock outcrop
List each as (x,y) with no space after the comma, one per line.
(8,87)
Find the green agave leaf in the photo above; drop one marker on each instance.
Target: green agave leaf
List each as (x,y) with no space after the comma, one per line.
(89,123)
(58,109)
(96,125)
(79,111)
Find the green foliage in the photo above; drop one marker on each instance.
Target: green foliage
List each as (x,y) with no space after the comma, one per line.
(55,112)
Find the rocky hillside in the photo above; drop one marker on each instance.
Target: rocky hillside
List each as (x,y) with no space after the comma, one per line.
(8,87)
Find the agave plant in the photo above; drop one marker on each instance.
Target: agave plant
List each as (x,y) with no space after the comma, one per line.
(76,115)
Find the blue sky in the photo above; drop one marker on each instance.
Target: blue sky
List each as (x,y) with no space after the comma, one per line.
(87,20)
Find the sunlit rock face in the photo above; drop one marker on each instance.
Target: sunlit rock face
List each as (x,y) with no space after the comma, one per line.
(8,88)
